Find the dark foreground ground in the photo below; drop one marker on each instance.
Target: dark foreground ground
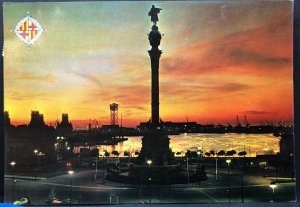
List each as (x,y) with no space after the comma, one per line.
(83,188)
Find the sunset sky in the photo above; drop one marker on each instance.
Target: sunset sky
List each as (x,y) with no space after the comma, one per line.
(219,60)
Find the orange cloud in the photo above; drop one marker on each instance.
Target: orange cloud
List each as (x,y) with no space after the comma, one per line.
(265,50)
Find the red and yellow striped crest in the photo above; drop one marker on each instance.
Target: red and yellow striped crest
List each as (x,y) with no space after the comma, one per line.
(28,30)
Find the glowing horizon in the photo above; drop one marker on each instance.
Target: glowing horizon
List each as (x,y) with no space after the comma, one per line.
(219,60)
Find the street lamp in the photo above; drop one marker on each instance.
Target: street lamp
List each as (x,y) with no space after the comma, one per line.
(35,153)
(228,171)
(242,185)
(12,164)
(70,172)
(199,168)
(103,172)
(96,168)
(187,169)
(216,168)
(273,185)
(150,180)
(149,162)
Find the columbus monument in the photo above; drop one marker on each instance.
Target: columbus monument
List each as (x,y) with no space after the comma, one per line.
(156,163)
(155,144)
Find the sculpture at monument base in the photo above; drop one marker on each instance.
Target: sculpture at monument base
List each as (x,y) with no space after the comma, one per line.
(155,147)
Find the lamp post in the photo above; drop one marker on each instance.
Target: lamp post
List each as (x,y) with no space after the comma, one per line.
(35,155)
(70,172)
(12,164)
(103,175)
(216,168)
(150,194)
(187,170)
(228,187)
(242,185)
(96,168)
(273,185)
(199,169)
(149,162)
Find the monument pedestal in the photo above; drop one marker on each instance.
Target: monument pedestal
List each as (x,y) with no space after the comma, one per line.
(155,147)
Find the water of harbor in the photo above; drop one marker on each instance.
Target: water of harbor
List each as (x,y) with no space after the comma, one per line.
(253,144)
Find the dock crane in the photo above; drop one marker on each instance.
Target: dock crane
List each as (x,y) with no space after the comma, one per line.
(246,123)
(237,122)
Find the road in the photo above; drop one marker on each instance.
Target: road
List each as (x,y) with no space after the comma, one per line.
(82,188)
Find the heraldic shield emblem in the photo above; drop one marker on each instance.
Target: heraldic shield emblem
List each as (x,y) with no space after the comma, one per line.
(29,30)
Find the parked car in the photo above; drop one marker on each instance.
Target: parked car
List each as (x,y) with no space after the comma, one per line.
(54,201)
(22,201)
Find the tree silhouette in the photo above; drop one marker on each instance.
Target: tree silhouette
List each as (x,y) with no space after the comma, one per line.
(126,153)
(116,153)
(191,154)
(106,154)
(242,153)
(230,152)
(221,153)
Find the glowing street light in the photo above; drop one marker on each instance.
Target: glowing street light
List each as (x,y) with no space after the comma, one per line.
(199,166)
(150,194)
(35,153)
(13,163)
(103,165)
(96,168)
(70,172)
(228,171)
(149,162)
(273,185)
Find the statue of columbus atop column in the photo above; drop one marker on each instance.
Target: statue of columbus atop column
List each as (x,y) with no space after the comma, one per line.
(154,14)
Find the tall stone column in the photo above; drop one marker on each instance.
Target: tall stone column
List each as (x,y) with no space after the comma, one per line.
(155,143)
(155,56)
(155,53)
